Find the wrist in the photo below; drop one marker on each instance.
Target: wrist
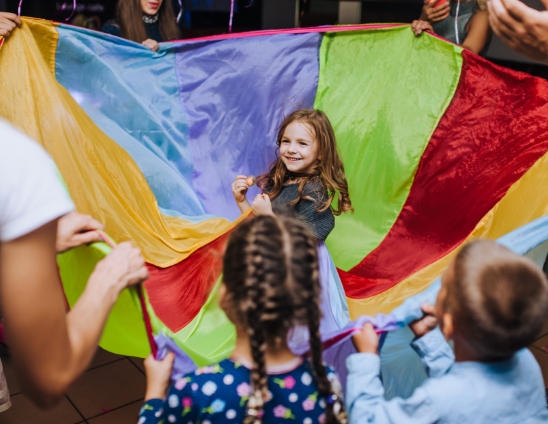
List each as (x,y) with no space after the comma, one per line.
(155,391)
(105,285)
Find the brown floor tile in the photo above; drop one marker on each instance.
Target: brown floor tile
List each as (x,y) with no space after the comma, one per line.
(9,372)
(23,411)
(107,387)
(103,357)
(126,415)
(139,362)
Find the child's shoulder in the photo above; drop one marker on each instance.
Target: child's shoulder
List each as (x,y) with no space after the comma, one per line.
(315,188)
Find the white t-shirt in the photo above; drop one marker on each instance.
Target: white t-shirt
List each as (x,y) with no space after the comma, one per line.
(31,191)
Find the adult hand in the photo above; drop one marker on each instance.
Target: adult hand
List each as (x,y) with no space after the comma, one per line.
(419,27)
(433,13)
(8,22)
(261,205)
(151,44)
(367,340)
(158,376)
(239,188)
(524,29)
(427,323)
(75,229)
(122,268)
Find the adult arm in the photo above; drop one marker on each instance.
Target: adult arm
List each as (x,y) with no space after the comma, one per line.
(8,22)
(478,32)
(51,347)
(524,29)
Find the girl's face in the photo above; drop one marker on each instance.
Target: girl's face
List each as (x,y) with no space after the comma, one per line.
(151,7)
(299,148)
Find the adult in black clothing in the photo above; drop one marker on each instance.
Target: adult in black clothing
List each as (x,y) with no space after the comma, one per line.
(148,22)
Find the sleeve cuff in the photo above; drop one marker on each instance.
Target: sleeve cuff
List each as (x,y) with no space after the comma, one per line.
(150,407)
(363,362)
(429,342)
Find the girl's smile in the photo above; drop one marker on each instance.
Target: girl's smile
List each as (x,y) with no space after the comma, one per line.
(298,148)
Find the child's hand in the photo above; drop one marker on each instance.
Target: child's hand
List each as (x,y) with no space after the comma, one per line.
(151,44)
(367,340)
(431,13)
(425,324)
(419,27)
(261,205)
(239,188)
(158,376)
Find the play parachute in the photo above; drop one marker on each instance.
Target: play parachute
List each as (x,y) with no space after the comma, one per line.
(439,146)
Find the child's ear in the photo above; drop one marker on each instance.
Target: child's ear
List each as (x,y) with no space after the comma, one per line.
(447,326)
(222,297)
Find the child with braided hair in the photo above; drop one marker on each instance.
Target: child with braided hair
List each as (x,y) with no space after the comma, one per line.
(270,285)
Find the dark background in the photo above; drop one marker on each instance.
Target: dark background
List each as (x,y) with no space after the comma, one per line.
(209,17)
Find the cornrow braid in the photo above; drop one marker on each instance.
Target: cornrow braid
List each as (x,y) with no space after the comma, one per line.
(309,281)
(254,287)
(271,274)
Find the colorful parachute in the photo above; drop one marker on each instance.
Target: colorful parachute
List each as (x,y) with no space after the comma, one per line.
(439,146)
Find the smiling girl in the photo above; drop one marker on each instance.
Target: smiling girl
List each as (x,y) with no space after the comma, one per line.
(305,178)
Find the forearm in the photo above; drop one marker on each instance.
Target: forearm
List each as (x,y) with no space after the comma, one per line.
(50,347)
(85,324)
(435,353)
(364,389)
(244,206)
(366,402)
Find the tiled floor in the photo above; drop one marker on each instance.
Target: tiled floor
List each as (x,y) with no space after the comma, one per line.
(110,392)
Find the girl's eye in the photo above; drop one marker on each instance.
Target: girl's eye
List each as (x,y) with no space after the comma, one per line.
(303,144)
(285,141)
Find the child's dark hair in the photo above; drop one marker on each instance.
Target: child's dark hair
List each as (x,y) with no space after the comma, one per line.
(329,169)
(272,284)
(499,300)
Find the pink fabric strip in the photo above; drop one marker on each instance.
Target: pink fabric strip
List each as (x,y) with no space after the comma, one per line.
(73,10)
(231,16)
(146,316)
(335,28)
(19,8)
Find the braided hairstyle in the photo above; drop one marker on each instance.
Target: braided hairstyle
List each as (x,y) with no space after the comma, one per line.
(271,276)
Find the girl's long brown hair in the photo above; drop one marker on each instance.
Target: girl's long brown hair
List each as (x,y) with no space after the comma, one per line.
(271,274)
(129,16)
(328,168)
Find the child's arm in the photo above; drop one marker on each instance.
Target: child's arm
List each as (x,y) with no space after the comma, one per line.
(365,392)
(161,405)
(239,190)
(479,32)
(435,353)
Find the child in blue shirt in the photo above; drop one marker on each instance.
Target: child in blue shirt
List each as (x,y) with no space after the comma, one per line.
(492,304)
(271,284)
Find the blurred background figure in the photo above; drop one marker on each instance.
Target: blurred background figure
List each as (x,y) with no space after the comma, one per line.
(465,23)
(148,22)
